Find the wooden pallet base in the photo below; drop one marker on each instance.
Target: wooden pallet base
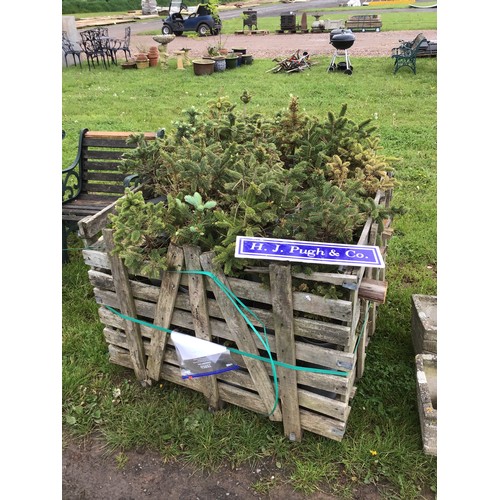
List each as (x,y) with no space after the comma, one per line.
(281,32)
(252,32)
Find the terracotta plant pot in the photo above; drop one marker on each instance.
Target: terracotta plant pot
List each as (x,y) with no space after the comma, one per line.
(153,60)
(142,61)
(203,66)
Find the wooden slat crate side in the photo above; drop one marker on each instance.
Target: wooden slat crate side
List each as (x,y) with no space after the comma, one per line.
(304,327)
(323,401)
(308,353)
(251,290)
(319,381)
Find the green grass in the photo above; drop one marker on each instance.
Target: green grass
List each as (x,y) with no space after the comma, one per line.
(104,398)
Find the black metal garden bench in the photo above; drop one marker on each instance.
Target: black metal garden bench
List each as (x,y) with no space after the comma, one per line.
(406,53)
(93,183)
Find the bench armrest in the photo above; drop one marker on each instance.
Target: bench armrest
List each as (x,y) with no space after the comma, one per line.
(131,181)
(71,179)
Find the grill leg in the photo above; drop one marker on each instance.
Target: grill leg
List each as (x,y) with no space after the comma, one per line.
(332,62)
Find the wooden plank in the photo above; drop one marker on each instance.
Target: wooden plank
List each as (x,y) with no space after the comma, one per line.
(102,188)
(374,290)
(165,309)
(107,134)
(282,302)
(331,278)
(127,307)
(318,424)
(201,317)
(361,353)
(326,405)
(91,226)
(104,176)
(244,340)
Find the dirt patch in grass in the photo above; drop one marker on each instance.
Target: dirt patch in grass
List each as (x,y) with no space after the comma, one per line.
(89,471)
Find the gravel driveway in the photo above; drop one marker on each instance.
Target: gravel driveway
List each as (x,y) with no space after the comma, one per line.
(368,44)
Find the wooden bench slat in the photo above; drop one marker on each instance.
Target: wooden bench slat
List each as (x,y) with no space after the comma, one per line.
(100,175)
(106,134)
(104,154)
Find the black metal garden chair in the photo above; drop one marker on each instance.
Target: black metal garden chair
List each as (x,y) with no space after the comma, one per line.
(122,44)
(71,49)
(97,47)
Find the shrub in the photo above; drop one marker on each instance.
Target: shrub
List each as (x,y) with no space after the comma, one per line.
(219,175)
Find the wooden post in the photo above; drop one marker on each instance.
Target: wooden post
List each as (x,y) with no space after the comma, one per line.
(201,319)
(245,340)
(165,310)
(127,307)
(282,302)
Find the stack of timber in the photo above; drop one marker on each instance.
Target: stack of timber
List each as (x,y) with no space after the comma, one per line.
(303,329)
(364,23)
(428,49)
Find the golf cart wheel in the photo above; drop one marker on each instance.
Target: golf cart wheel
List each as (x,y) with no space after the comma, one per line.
(178,33)
(203,29)
(166,30)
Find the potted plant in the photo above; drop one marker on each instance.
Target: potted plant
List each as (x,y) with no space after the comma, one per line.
(203,67)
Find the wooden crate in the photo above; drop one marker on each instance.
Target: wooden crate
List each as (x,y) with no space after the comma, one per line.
(303,329)
(426,366)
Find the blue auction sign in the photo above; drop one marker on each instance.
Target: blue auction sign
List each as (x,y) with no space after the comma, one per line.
(308,251)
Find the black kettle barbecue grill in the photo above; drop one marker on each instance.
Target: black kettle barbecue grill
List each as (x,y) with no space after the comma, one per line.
(341,39)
